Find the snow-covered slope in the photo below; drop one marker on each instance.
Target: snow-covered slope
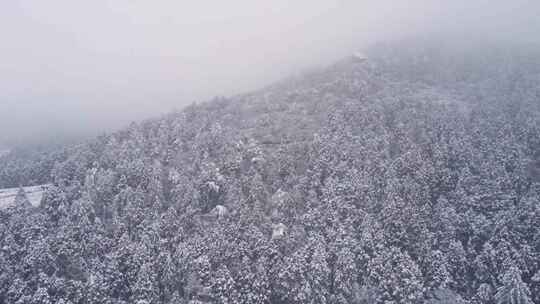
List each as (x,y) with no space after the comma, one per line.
(33,193)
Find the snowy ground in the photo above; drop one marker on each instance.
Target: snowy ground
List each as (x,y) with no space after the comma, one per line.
(34,194)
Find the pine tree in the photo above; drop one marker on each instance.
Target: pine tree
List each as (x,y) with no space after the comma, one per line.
(223,286)
(97,290)
(319,273)
(41,296)
(397,277)
(536,286)
(144,290)
(345,276)
(513,290)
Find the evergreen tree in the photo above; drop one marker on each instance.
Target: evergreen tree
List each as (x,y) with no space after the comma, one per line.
(513,289)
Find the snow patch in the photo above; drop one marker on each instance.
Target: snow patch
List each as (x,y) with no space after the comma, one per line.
(33,193)
(278,231)
(219,211)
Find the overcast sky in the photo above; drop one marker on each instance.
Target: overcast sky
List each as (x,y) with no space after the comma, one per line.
(70,66)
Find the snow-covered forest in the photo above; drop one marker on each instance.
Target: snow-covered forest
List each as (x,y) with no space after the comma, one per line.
(408,176)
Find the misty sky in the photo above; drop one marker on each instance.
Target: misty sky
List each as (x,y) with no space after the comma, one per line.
(70,67)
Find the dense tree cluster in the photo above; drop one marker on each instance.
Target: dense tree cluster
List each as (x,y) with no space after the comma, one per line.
(411,177)
(29,165)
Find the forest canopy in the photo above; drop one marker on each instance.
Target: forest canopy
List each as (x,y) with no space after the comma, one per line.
(412,176)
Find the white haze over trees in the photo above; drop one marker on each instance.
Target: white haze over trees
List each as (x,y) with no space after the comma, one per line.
(72,68)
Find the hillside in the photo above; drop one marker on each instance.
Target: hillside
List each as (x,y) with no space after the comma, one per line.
(409,177)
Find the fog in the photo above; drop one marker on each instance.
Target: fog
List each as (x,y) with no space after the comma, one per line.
(73,68)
